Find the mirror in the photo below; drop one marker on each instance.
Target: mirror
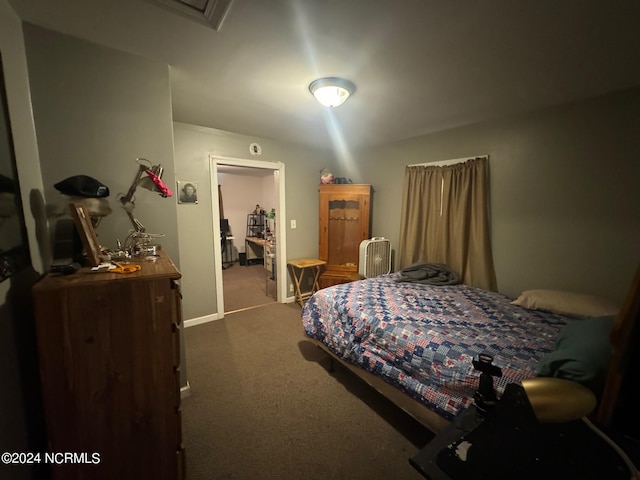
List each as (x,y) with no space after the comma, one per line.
(14,249)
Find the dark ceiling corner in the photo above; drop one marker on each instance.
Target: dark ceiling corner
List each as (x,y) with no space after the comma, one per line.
(208,12)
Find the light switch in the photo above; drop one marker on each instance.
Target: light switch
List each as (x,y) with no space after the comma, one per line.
(293,224)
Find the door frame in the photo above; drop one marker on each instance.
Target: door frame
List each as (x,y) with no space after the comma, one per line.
(281,237)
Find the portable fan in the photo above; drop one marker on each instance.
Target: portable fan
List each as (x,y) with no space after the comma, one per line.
(375,257)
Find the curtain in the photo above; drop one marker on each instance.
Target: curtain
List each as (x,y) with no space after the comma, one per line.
(445,219)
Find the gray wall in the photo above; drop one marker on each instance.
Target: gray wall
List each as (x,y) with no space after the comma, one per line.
(96,110)
(21,424)
(23,130)
(564,192)
(193,146)
(561,178)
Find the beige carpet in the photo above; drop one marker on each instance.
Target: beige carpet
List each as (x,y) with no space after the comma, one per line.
(246,286)
(263,405)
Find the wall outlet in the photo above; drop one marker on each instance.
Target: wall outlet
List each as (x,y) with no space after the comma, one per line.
(291,288)
(293,224)
(310,281)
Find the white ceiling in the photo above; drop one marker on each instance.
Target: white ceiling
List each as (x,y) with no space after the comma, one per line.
(419,65)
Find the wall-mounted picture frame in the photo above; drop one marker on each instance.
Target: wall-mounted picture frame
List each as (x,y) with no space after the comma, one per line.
(187,192)
(87,234)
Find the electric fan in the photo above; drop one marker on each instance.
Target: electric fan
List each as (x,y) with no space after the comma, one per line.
(375,257)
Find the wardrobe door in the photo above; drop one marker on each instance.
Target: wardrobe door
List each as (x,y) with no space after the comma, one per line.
(344,223)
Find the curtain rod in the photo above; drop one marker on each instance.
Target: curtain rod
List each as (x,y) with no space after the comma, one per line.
(452,161)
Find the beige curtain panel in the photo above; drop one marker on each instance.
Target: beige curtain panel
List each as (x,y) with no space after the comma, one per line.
(445,219)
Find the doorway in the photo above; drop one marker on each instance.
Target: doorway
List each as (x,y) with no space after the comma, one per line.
(251,273)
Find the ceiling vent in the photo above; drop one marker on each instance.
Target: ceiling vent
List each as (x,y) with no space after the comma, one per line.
(208,12)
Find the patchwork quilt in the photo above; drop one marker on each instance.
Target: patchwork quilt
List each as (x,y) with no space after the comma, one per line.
(423,338)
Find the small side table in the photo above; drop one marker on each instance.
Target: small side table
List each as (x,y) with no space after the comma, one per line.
(297,269)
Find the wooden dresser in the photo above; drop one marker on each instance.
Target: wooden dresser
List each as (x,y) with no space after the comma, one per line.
(345,211)
(109,353)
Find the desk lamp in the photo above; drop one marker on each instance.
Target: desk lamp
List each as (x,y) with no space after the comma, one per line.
(148,177)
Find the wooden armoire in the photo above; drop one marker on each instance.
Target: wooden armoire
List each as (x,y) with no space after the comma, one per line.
(345,211)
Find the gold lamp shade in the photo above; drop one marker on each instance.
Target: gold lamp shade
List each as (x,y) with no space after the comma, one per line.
(555,400)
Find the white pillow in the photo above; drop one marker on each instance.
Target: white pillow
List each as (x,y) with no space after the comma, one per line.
(566,303)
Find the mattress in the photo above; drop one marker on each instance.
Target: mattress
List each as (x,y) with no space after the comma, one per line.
(423,338)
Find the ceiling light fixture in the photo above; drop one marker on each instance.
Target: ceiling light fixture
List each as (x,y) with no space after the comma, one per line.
(332,91)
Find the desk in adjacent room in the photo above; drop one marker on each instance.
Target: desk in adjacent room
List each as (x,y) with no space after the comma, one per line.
(254,248)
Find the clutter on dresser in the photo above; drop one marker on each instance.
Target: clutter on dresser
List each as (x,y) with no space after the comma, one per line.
(327,178)
(89,192)
(88,237)
(65,266)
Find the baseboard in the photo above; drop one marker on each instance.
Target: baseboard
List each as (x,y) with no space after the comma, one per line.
(185,391)
(192,322)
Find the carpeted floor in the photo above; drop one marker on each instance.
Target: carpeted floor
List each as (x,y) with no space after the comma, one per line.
(247,286)
(263,405)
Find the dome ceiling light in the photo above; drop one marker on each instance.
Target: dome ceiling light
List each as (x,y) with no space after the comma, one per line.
(332,91)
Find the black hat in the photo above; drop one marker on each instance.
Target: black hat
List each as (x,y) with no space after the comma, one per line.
(82,186)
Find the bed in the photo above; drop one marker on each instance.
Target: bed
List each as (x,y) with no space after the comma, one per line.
(415,343)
